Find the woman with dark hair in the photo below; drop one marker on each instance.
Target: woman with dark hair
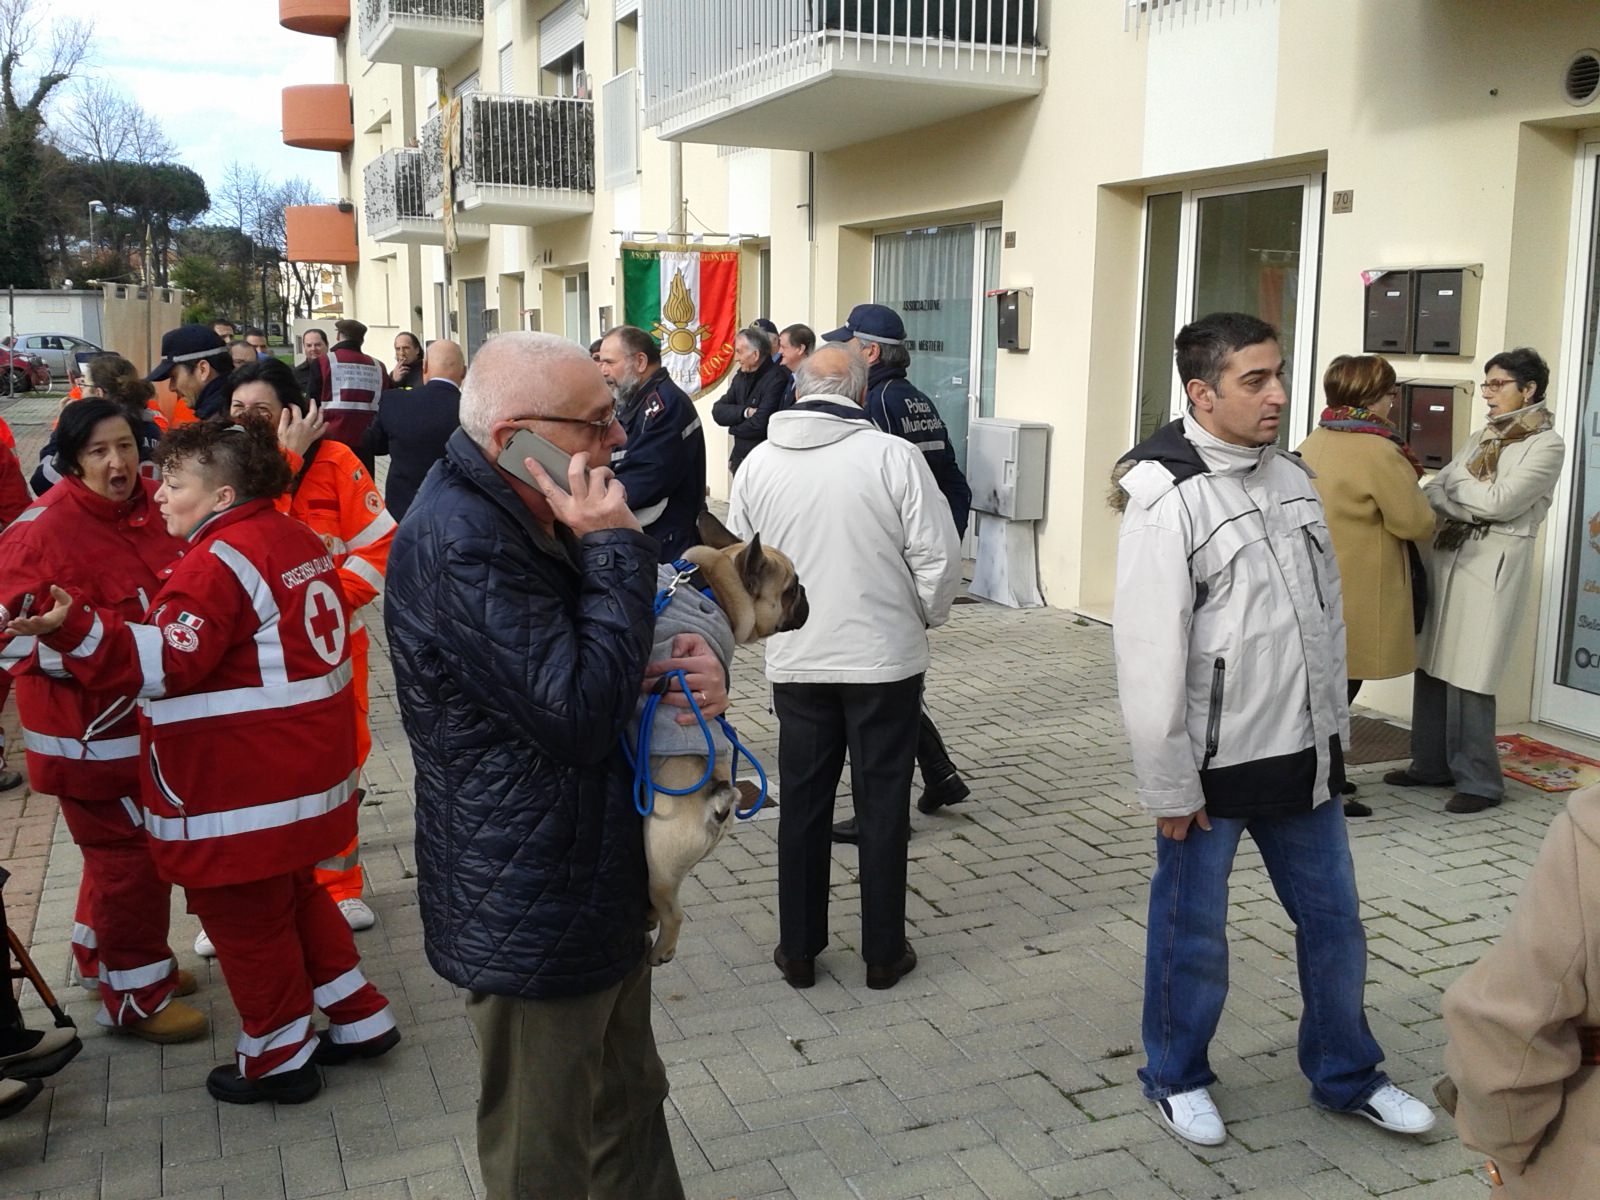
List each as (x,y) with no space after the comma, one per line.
(245,647)
(98,534)
(1491,499)
(754,395)
(109,377)
(336,496)
(407,369)
(1367,478)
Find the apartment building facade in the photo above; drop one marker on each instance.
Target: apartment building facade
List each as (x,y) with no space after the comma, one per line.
(1132,162)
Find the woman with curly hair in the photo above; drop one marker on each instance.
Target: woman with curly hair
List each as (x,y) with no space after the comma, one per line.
(248,748)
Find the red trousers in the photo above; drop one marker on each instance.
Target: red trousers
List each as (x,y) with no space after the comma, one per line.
(284,947)
(342,874)
(120,934)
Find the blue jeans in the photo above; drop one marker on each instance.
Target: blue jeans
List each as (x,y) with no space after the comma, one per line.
(1186,958)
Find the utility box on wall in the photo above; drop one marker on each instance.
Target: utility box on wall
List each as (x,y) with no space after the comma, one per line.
(1433,410)
(1006,467)
(1013,317)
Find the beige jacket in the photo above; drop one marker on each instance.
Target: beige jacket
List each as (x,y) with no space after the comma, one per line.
(1374,506)
(1477,592)
(1526,1099)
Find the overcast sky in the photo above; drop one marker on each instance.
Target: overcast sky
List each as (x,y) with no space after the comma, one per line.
(213,72)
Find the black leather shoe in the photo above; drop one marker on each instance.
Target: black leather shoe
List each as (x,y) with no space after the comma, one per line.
(797,972)
(846,833)
(289,1087)
(1354,808)
(1407,779)
(330,1053)
(946,789)
(879,978)
(1461,802)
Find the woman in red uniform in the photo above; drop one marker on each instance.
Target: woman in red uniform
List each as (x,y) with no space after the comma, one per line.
(97,533)
(243,660)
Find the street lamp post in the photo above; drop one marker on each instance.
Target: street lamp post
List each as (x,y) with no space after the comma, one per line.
(93,204)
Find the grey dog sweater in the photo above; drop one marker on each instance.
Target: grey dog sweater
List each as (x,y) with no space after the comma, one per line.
(689,612)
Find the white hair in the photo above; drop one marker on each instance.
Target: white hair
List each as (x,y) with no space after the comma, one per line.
(508,377)
(835,369)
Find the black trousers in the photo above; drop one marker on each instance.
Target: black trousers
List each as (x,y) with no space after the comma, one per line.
(878,724)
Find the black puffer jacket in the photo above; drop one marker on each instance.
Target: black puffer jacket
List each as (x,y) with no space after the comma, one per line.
(518,660)
(762,390)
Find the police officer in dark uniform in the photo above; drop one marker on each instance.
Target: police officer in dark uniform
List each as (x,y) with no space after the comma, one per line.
(663,462)
(896,406)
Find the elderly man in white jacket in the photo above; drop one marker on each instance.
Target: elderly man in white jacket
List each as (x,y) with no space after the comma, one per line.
(1229,634)
(872,538)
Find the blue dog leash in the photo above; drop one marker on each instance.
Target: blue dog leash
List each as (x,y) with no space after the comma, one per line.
(638,755)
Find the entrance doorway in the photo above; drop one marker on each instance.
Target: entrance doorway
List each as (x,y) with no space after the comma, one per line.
(935,278)
(1569,644)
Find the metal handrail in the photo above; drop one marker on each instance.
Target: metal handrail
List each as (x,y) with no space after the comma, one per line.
(534,143)
(374,15)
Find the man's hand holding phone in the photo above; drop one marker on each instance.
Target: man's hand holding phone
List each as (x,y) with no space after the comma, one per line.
(592,498)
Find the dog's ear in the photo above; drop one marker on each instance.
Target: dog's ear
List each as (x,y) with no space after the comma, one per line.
(713,532)
(751,562)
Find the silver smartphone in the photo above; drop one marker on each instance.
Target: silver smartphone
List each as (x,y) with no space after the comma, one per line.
(527,444)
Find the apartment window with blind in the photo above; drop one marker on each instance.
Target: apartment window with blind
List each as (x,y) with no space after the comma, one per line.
(508,69)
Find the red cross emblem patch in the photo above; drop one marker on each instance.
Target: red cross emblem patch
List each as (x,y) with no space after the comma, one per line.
(324,622)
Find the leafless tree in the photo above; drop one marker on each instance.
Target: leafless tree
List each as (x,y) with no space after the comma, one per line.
(102,124)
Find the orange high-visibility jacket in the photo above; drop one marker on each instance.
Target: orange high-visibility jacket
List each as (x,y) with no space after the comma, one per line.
(336,496)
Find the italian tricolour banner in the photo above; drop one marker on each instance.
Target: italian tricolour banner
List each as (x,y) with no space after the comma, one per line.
(687,298)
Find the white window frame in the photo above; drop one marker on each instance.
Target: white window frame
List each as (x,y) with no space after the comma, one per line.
(1303,403)
(1554,704)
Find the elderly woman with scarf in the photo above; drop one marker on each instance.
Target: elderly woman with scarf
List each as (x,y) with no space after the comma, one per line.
(1491,500)
(1367,478)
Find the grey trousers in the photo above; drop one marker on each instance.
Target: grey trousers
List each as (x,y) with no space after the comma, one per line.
(1452,738)
(572,1097)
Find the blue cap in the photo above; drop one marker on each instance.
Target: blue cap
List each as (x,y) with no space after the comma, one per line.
(870,323)
(185,344)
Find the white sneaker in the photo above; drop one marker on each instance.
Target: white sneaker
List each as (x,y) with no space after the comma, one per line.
(1193,1117)
(1400,1112)
(203,946)
(357,914)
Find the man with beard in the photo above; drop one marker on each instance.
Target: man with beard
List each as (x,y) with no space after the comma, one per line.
(663,462)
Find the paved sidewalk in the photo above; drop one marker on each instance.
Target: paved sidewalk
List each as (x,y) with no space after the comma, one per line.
(1003,1068)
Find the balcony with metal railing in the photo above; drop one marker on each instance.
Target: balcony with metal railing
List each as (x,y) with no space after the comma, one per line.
(525,160)
(401,194)
(820,74)
(419,33)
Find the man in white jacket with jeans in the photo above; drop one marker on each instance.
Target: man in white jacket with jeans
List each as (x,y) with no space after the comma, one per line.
(871,536)
(1229,634)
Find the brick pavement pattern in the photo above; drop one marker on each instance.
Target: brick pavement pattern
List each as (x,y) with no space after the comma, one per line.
(1002,1068)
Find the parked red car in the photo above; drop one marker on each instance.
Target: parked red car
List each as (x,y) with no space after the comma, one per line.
(21,372)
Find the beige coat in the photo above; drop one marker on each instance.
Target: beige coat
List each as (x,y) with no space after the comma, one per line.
(1526,1099)
(1477,593)
(1369,491)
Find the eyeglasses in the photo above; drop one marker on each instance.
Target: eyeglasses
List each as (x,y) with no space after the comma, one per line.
(1490,386)
(603,425)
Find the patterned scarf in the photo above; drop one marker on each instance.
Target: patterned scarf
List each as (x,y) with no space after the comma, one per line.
(1355,419)
(1501,432)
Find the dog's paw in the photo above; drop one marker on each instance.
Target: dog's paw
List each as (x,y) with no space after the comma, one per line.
(660,957)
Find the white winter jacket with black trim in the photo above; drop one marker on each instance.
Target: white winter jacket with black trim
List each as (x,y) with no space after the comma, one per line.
(1229,629)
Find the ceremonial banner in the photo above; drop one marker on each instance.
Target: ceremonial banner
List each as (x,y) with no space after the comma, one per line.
(687,298)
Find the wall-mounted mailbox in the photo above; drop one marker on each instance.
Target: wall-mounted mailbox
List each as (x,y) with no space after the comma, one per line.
(1389,309)
(1447,311)
(1013,317)
(1430,408)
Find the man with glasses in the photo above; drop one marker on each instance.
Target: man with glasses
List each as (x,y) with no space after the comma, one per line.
(520,623)
(663,462)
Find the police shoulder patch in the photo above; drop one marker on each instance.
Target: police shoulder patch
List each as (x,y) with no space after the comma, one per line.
(654,409)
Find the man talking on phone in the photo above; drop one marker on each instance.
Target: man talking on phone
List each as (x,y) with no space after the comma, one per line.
(520,623)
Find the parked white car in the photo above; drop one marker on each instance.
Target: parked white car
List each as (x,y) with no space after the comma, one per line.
(55,350)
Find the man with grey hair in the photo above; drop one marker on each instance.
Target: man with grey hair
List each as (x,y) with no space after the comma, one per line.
(871,535)
(520,622)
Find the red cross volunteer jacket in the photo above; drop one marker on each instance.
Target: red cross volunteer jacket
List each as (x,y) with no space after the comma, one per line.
(351,384)
(247,716)
(81,742)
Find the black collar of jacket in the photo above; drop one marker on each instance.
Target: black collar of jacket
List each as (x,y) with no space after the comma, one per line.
(463,454)
(880,373)
(850,412)
(1172,450)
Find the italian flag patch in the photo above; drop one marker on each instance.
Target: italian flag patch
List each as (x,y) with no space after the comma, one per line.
(687,298)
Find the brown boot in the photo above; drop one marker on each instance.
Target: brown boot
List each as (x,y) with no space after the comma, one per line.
(186,983)
(177,1022)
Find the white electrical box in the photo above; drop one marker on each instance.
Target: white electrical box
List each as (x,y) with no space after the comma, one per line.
(1006,466)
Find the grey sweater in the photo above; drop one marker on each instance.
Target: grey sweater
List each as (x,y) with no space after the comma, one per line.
(689,612)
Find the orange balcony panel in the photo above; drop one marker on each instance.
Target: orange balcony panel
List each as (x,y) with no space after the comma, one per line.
(326,18)
(320,233)
(316,116)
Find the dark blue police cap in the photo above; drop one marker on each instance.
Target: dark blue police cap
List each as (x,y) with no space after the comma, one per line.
(870,323)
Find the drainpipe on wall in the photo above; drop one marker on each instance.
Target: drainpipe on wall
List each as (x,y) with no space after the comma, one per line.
(676,225)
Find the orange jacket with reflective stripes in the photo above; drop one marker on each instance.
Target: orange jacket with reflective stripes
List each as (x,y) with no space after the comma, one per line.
(336,496)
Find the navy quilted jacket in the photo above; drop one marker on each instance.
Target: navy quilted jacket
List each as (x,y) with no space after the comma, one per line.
(518,660)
